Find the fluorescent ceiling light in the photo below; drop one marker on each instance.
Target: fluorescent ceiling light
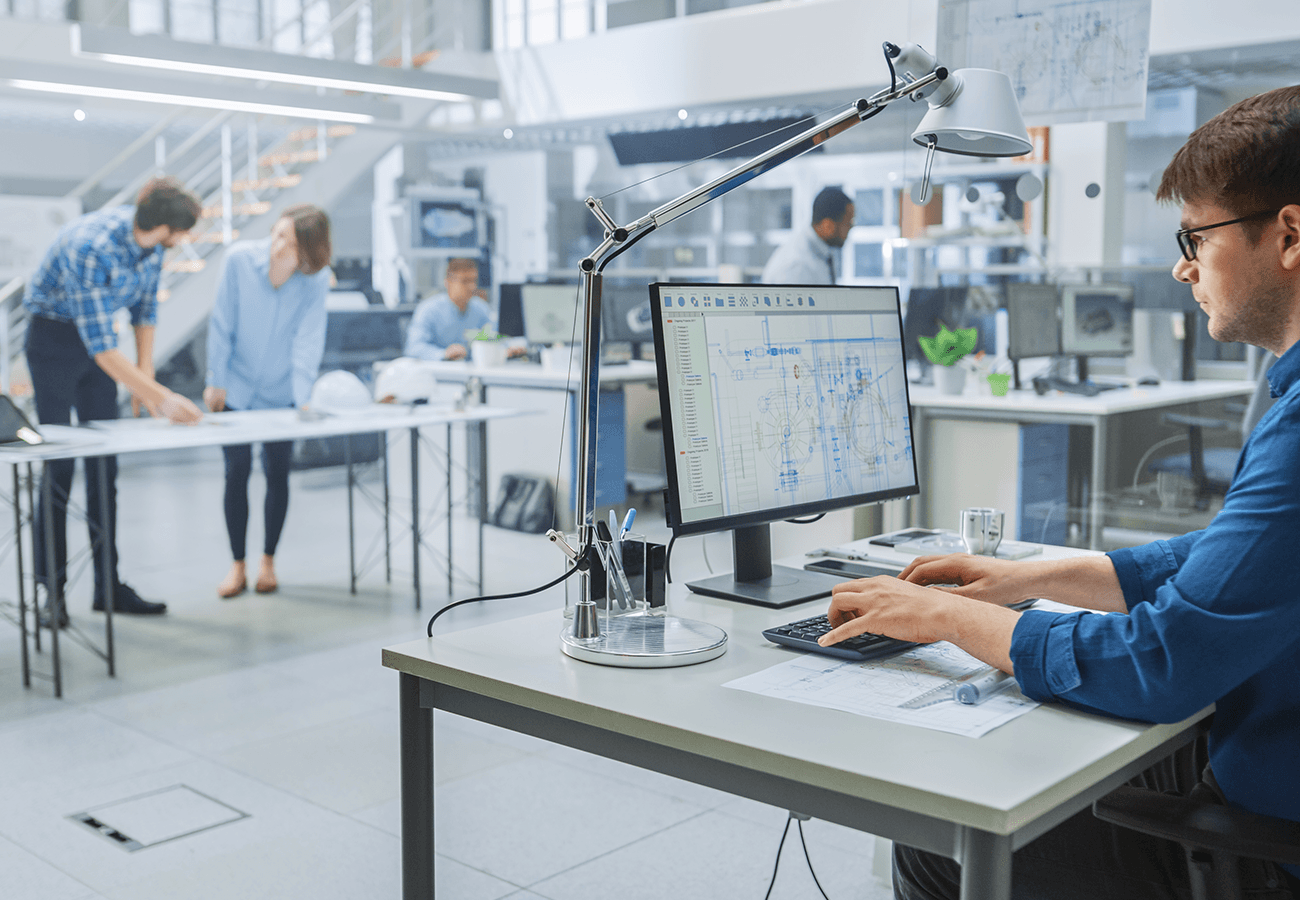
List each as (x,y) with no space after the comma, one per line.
(159,52)
(82,82)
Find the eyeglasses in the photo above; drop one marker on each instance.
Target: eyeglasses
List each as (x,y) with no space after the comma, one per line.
(1188,246)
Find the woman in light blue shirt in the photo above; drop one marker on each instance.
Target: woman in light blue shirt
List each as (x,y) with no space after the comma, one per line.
(265,342)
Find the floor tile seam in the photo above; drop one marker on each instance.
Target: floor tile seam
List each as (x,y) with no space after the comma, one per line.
(612,850)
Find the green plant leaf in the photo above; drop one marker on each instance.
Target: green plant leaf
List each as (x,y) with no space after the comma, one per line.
(948,346)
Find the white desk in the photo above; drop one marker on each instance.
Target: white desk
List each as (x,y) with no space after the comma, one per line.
(1025,406)
(143,435)
(973,800)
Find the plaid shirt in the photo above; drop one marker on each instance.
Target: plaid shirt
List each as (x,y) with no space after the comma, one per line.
(93,269)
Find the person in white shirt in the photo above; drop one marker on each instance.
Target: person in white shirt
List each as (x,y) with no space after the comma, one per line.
(809,255)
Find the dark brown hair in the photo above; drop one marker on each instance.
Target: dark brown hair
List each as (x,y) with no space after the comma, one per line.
(311,228)
(165,201)
(1246,159)
(461,264)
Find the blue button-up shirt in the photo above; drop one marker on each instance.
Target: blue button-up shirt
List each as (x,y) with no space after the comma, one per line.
(93,269)
(265,344)
(438,323)
(803,259)
(1213,617)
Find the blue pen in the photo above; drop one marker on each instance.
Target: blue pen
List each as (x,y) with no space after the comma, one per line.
(627,522)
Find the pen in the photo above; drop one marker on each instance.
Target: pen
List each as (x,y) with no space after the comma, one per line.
(627,522)
(977,690)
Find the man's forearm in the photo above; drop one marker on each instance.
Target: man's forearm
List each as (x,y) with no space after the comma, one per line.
(144,347)
(120,369)
(1088,582)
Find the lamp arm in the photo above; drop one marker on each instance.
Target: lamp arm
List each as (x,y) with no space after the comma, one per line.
(621,238)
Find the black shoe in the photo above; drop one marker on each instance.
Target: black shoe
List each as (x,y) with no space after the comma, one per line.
(46,620)
(126,600)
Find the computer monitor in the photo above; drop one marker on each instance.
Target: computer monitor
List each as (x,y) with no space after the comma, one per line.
(551,314)
(510,311)
(1033,325)
(625,314)
(778,401)
(927,309)
(1096,319)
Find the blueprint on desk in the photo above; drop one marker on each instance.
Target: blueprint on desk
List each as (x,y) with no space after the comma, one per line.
(882,688)
(818,411)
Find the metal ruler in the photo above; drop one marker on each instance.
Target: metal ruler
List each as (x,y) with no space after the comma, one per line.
(934,695)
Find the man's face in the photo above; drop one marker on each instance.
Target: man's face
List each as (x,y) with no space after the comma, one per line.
(1234,279)
(175,237)
(284,245)
(842,227)
(461,285)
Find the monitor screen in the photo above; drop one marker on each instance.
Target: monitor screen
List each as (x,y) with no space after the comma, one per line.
(1033,326)
(1096,319)
(777,402)
(380,330)
(625,313)
(510,312)
(550,313)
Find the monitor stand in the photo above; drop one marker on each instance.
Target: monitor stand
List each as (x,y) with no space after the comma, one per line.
(759,582)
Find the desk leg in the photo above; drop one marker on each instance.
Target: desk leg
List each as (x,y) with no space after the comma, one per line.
(22,593)
(107,537)
(388,542)
(450,588)
(481,491)
(415,511)
(31,508)
(985,866)
(417,791)
(1097,484)
(53,594)
(352,531)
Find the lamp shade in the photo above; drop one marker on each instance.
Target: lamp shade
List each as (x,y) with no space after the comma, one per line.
(979,118)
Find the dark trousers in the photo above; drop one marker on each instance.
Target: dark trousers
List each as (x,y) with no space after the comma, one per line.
(239,465)
(64,378)
(1085,858)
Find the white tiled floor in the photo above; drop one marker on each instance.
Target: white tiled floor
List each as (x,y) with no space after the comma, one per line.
(278,706)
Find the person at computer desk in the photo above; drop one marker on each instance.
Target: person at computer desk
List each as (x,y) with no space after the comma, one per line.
(808,255)
(438,327)
(265,342)
(1208,617)
(100,263)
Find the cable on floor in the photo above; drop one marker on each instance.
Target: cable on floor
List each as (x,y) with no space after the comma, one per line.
(799,819)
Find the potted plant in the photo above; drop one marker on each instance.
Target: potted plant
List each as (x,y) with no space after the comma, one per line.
(945,351)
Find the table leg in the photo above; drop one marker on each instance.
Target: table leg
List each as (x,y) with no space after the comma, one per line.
(415,511)
(106,539)
(985,866)
(388,543)
(53,594)
(31,508)
(416,723)
(22,593)
(352,531)
(1097,484)
(450,588)
(480,476)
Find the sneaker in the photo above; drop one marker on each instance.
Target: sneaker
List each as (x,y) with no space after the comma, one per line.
(46,619)
(126,600)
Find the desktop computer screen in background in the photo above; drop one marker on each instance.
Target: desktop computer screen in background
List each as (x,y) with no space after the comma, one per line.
(551,314)
(625,313)
(1096,319)
(778,402)
(1033,324)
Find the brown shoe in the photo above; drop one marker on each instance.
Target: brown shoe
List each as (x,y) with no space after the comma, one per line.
(235,582)
(266,581)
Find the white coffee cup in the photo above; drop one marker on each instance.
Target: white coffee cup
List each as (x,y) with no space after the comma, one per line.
(981,529)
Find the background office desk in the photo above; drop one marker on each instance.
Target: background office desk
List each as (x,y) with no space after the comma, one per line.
(974,468)
(973,800)
(253,426)
(611,437)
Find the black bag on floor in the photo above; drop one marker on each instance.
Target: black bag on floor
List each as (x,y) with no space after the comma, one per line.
(524,503)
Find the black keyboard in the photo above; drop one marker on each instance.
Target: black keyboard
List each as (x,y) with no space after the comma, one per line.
(803,635)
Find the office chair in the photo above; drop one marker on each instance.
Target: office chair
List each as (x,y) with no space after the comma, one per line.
(1214,837)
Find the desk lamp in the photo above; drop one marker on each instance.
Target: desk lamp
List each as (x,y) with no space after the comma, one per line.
(973,112)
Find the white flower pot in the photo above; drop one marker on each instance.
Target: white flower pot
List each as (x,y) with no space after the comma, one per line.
(949,379)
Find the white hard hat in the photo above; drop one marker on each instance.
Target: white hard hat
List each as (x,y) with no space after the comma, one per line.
(338,392)
(406,380)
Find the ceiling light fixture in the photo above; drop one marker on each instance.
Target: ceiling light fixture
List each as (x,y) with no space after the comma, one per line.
(159,52)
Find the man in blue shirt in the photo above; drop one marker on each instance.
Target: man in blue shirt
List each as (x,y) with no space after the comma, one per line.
(266,337)
(1211,617)
(100,263)
(438,327)
(808,255)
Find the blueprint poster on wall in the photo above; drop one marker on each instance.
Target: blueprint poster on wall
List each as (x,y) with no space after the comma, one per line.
(1069,60)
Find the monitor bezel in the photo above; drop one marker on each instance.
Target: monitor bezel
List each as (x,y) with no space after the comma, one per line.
(1068,294)
(672,496)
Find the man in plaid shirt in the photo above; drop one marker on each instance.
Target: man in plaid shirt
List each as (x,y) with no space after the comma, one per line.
(100,263)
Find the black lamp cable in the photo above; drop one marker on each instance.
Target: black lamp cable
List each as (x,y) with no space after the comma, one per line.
(799,819)
(530,591)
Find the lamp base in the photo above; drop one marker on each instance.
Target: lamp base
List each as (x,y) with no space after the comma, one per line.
(647,642)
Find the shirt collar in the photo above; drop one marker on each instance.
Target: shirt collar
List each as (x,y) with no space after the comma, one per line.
(820,247)
(1285,372)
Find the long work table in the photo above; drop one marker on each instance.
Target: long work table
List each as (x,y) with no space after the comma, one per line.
(94,443)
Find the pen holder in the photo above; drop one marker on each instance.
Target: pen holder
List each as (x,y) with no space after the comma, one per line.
(643,568)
